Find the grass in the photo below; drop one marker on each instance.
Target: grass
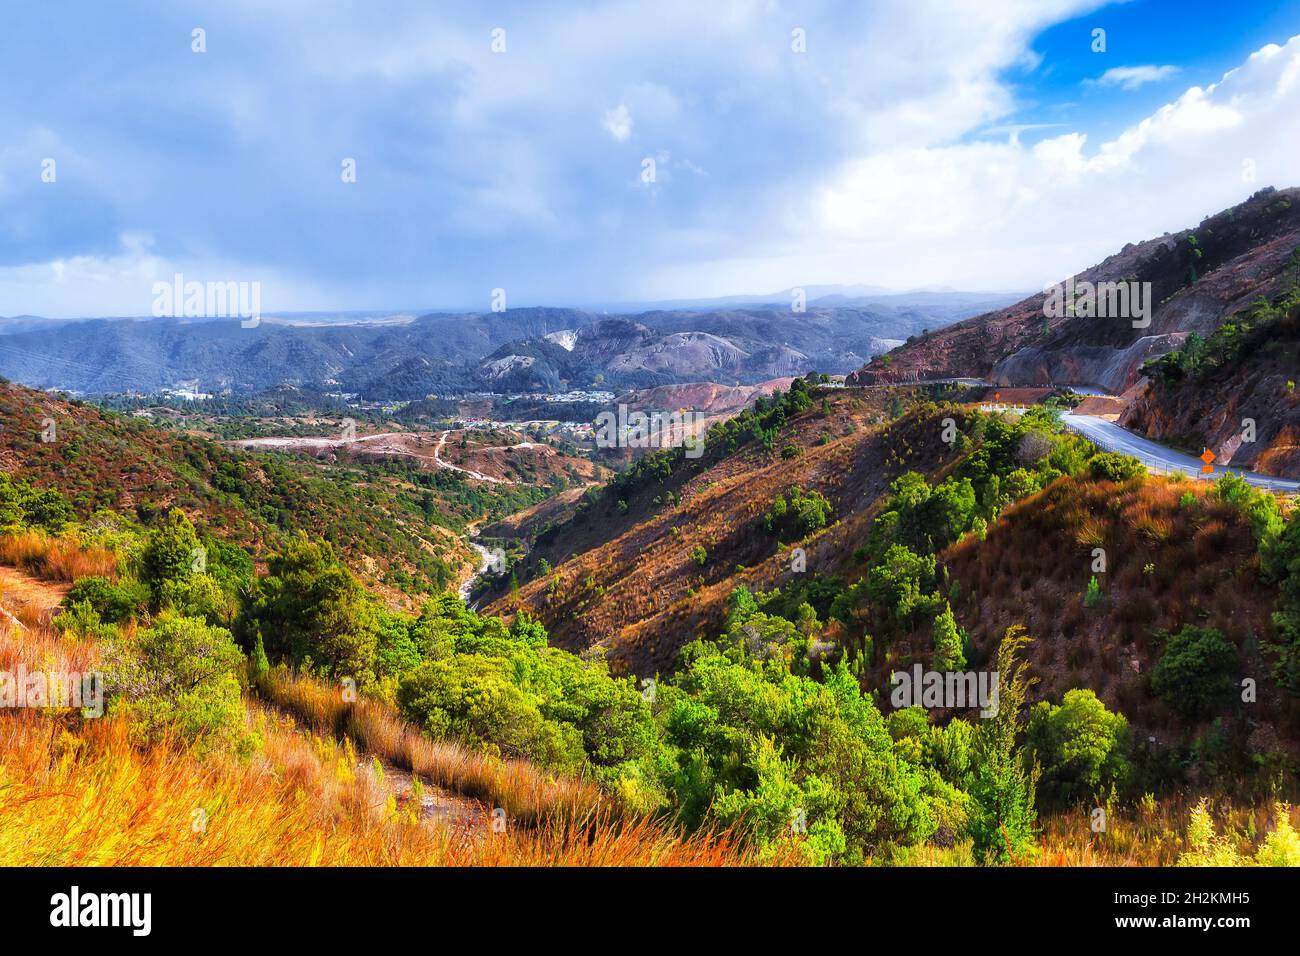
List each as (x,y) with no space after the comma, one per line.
(84,796)
(1150,832)
(55,559)
(77,792)
(525,792)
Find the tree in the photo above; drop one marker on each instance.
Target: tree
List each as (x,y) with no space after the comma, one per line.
(260,665)
(171,552)
(309,608)
(1080,746)
(897,584)
(948,511)
(948,655)
(1003,824)
(1196,674)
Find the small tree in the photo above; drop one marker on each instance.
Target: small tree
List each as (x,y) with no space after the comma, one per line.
(170,552)
(1003,823)
(948,654)
(1092,595)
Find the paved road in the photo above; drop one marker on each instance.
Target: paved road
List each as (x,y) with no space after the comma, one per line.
(1157,457)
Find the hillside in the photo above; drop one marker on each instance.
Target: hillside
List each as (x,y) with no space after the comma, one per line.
(1174,553)
(625,578)
(497,456)
(1233,392)
(655,562)
(381,521)
(1198,277)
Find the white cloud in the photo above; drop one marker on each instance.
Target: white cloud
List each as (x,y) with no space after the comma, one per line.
(851,162)
(1005,215)
(1132,77)
(618,123)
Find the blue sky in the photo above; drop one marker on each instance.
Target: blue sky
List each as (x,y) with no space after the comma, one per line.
(910,143)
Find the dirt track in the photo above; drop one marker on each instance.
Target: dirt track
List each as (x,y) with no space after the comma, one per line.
(28,600)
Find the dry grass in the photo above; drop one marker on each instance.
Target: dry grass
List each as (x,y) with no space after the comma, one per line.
(76,792)
(1167,563)
(55,559)
(79,794)
(526,793)
(1150,833)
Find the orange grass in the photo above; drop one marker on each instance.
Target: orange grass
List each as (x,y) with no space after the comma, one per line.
(55,559)
(77,792)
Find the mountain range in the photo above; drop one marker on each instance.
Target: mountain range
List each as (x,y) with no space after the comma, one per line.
(531,349)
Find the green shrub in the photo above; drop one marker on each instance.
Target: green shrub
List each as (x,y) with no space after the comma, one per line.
(1111,466)
(1196,674)
(80,620)
(475,700)
(180,677)
(113,602)
(1092,594)
(1080,746)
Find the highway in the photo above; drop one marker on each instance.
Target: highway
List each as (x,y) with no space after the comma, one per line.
(1158,458)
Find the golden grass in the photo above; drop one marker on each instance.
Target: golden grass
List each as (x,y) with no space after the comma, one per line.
(77,792)
(524,791)
(55,559)
(1149,833)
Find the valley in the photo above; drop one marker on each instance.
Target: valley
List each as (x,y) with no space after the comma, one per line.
(457,607)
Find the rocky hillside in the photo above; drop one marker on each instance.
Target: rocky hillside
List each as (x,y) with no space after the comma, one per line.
(706,398)
(1198,277)
(1234,393)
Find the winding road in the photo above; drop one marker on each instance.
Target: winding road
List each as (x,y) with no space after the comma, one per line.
(1106,434)
(1111,437)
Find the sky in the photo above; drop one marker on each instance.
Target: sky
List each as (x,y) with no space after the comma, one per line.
(407,156)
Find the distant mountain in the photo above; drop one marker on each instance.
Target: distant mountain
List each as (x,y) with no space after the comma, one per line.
(392,356)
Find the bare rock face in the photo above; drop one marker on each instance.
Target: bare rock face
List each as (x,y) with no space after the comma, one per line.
(709,398)
(1217,412)
(1114,369)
